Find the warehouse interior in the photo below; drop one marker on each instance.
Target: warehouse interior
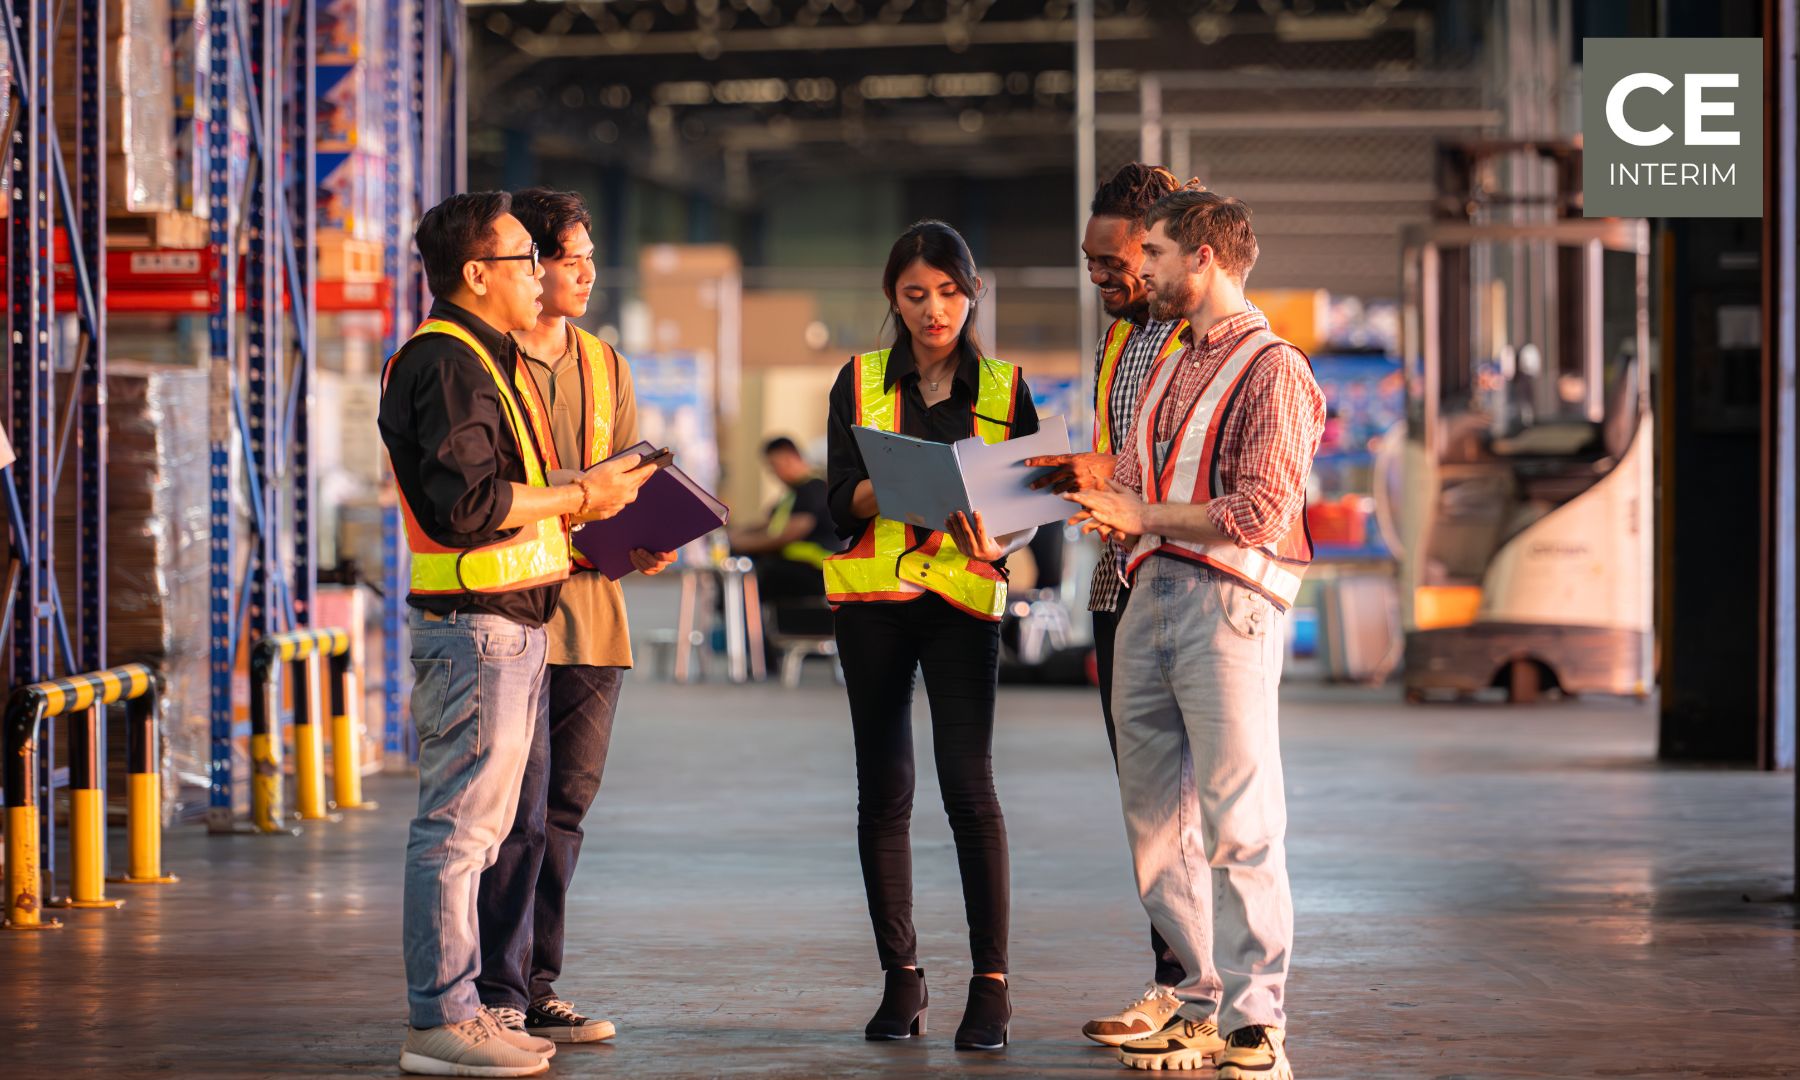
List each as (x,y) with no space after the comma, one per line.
(1542,821)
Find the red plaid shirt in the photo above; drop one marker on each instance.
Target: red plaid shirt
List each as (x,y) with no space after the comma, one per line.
(1266,449)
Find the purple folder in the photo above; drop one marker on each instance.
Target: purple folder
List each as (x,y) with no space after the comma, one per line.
(670,512)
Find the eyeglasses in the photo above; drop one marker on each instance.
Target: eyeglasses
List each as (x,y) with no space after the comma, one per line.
(532,255)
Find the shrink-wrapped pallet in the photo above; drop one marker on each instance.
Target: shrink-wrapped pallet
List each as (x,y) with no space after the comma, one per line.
(157,534)
(139,100)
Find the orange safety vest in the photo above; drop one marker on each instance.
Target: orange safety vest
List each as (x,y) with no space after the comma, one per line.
(1118,335)
(894,561)
(536,555)
(597,396)
(1190,474)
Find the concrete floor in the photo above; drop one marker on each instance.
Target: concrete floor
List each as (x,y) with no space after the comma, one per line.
(1479,892)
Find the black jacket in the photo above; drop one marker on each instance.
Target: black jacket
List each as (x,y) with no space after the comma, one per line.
(455,456)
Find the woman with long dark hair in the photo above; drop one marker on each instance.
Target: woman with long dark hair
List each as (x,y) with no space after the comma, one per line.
(908,598)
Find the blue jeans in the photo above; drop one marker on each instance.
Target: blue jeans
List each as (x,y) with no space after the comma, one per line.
(523,895)
(478,689)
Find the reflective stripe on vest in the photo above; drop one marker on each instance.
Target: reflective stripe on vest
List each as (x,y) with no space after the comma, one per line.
(597,396)
(890,561)
(1190,474)
(1118,335)
(537,555)
(801,551)
(597,404)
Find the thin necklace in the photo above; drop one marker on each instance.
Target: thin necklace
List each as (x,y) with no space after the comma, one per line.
(933,383)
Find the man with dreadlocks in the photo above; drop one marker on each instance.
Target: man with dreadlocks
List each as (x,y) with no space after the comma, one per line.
(1113,247)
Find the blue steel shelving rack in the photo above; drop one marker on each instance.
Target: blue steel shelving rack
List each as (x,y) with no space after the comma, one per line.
(426,107)
(43,645)
(266,395)
(262,57)
(260,402)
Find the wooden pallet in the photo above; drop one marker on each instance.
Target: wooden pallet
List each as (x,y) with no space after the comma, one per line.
(157,231)
(346,259)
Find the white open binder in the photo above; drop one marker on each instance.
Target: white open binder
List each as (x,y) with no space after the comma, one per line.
(922,483)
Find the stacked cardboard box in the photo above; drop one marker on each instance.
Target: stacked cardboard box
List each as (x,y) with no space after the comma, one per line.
(157,535)
(140,105)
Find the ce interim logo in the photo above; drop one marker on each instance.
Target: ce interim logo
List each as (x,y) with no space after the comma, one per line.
(1672,127)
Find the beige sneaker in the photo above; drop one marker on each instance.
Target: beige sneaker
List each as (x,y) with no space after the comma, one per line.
(470,1048)
(1149,1014)
(509,1024)
(1255,1053)
(1188,1044)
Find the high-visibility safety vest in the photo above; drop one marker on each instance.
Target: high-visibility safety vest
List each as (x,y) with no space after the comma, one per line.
(1188,472)
(1118,335)
(895,561)
(537,554)
(800,551)
(597,395)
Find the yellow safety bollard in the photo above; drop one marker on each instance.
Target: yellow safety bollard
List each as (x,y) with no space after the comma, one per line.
(26,857)
(309,740)
(293,649)
(24,871)
(346,735)
(143,795)
(87,810)
(266,781)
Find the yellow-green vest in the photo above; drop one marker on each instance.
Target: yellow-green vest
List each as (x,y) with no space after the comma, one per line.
(893,560)
(800,551)
(538,554)
(597,396)
(1116,337)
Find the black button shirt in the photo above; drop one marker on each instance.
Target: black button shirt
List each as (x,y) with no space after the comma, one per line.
(455,456)
(950,420)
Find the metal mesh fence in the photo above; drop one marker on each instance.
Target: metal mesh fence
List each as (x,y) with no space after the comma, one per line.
(1332,143)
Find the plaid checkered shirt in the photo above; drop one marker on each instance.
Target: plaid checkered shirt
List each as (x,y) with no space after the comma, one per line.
(1129,378)
(1270,436)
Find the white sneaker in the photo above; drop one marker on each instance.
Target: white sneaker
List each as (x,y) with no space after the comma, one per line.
(470,1048)
(1255,1053)
(1189,1044)
(509,1024)
(1149,1014)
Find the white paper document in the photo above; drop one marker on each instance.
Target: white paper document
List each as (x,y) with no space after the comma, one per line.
(922,483)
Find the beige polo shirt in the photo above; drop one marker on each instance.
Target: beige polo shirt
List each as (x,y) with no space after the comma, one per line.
(589,626)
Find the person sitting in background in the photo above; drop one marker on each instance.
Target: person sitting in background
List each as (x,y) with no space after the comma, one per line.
(789,547)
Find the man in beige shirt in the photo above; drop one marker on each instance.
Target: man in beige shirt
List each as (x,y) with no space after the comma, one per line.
(580,399)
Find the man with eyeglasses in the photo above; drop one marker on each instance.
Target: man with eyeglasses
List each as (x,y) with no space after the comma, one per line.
(488,527)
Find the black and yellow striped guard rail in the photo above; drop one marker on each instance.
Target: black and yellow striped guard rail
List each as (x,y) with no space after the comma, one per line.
(300,644)
(78,692)
(86,696)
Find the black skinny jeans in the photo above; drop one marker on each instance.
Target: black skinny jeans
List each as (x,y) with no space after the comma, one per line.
(880,644)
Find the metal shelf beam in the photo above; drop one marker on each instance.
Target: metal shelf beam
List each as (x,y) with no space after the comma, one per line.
(42,196)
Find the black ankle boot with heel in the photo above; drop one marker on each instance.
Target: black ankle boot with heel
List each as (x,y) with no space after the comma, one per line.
(903,1003)
(988,1015)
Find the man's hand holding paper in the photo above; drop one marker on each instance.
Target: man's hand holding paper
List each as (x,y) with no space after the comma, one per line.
(1074,472)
